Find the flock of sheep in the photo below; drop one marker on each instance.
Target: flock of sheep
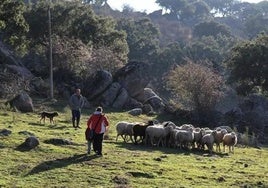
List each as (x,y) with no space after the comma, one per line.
(167,134)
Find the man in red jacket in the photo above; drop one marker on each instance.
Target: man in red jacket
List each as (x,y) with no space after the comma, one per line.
(99,123)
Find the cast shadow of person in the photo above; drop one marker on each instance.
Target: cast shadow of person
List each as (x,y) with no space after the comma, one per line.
(60,163)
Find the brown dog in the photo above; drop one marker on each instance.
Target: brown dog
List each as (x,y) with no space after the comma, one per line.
(49,115)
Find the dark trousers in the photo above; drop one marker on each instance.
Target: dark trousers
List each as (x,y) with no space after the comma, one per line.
(76,117)
(97,143)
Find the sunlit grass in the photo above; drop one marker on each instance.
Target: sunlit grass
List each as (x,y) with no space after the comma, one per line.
(123,164)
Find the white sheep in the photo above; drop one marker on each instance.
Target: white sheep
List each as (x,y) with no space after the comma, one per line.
(208,140)
(184,138)
(124,129)
(229,139)
(206,130)
(172,136)
(186,126)
(156,134)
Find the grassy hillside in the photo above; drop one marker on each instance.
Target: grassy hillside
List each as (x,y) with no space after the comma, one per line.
(122,164)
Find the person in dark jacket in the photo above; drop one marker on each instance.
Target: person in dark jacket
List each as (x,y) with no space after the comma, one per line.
(99,123)
(76,103)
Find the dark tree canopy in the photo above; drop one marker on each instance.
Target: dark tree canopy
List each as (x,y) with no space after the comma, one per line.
(142,38)
(13,27)
(211,28)
(249,66)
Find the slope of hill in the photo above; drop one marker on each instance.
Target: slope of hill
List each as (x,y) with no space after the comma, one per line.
(122,165)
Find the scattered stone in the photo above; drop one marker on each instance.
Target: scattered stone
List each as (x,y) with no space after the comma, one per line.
(135,112)
(221,179)
(5,132)
(31,142)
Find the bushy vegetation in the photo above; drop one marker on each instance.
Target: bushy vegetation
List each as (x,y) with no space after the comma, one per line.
(122,165)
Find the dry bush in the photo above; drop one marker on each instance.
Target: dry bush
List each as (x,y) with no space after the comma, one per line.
(196,86)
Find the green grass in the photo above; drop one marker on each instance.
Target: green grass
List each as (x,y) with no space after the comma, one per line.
(122,165)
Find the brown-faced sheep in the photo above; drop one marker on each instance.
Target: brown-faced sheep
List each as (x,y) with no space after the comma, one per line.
(219,137)
(229,139)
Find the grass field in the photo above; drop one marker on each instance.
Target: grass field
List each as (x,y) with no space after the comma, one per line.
(122,164)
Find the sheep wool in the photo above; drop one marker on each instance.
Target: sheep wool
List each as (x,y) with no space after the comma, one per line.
(124,129)
(230,140)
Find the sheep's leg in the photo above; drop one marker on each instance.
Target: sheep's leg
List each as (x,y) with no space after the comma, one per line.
(116,137)
(152,141)
(135,139)
(124,137)
(131,139)
(142,139)
(210,148)
(230,149)
(216,147)
(193,144)
(160,140)
(164,142)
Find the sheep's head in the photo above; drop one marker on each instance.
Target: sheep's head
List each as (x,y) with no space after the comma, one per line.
(214,133)
(224,131)
(150,122)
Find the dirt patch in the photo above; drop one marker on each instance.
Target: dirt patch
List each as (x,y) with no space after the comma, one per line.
(120,181)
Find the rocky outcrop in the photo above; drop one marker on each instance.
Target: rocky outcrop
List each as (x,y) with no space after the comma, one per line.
(125,90)
(8,56)
(148,96)
(21,102)
(134,77)
(15,77)
(96,84)
(250,115)
(108,97)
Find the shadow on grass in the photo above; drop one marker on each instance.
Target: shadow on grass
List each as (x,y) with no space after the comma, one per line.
(36,124)
(195,151)
(23,148)
(52,126)
(60,163)
(57,126)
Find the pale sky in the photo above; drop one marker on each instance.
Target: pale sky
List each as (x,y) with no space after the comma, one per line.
(147,6)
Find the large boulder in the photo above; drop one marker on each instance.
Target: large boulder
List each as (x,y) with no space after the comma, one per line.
(121,99)
(22,102)
(31,142)
(21,71)
(135,112)
(109,95)
(132,103)
(134,77)
(8,56)
(94,86)
(251,116)
(148,96)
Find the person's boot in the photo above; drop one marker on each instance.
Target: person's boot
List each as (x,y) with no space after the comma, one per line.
(74,124)
(77,124)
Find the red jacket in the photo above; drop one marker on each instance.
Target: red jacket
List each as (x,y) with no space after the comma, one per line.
(102,121)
